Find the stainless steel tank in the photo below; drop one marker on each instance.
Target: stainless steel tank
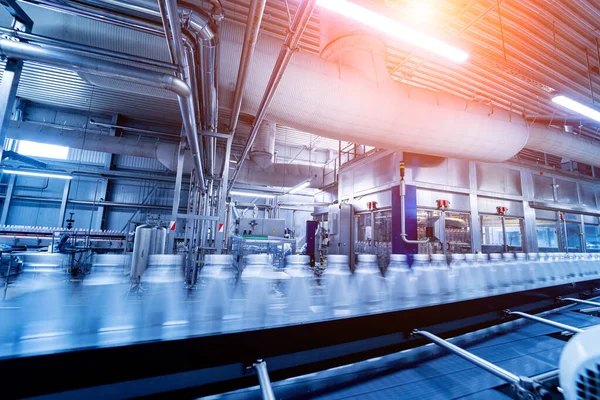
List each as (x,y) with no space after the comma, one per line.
(142,244)
(149,240)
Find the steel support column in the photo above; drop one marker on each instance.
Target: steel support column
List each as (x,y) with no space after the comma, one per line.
(103,189)
(220,234)
(531,244)
(7,199)
(474,207)
(63,203)
(177,194)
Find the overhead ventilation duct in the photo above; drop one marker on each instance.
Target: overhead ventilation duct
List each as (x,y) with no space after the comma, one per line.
(337,101)
(263,149)
(566,145)
(284,175)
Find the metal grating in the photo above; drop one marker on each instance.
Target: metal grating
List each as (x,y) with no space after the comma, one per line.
(588,384)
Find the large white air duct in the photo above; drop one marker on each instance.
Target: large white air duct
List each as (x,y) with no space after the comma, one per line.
(263,149)
(337,101)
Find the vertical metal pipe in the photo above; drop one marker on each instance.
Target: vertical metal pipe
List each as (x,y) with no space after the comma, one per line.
(176,194)
(63,203)
(263,378)
(255,14)
(223,214)
(290,46)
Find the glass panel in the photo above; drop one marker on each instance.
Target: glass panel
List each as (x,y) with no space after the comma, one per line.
(514,234)
(573,237)
(428,225)
(547,236)
(491,234)
(364,234)
(458,232)
(383,237)
(592,238)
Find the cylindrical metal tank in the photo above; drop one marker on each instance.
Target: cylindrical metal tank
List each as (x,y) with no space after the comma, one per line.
(141,250)
(149,240)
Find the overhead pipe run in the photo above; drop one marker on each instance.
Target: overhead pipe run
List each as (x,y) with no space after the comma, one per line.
(25,51)
(196,27)
(255,14)
(290,45)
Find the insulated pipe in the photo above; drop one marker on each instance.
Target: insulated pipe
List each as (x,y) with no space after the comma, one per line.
(403,233)
(255,14)
(303,14)
(26,51)
(183,55)
(545,321)
(472,358)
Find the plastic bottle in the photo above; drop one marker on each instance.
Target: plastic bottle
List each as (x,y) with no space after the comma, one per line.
(438,261)
(503,268)
(400,279)
(370,284)
(298,294)
(479,282)
(518,269)
(339,293)
(216,286)
(547,268)
(489,270)
(257,279)
(427,276)
(464,274)
(530,272)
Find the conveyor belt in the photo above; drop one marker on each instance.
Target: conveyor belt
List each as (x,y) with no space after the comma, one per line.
(528,351)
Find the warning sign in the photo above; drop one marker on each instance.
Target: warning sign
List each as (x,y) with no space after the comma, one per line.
(220,228)
(172,225)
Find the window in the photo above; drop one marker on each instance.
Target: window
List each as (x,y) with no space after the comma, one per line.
(592,238)
(547,236)
(34,149)
(573,236)
(501,234)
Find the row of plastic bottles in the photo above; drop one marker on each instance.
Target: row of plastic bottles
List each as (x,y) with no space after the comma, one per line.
(468,273)
(265,294)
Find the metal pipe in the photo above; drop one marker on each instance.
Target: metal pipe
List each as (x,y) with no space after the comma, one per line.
(403,233)
(290,46)
(30,37)
(255,14)
(588,302)
(472,358)
(26,51)
(263,378)
(545,321)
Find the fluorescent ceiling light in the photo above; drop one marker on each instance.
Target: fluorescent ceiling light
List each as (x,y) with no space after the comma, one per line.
(299,187)
(35,149)
(34,173)
(577,107)
(252,194)
(394,29)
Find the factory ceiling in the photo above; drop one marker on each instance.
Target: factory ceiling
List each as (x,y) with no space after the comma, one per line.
(522,53)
